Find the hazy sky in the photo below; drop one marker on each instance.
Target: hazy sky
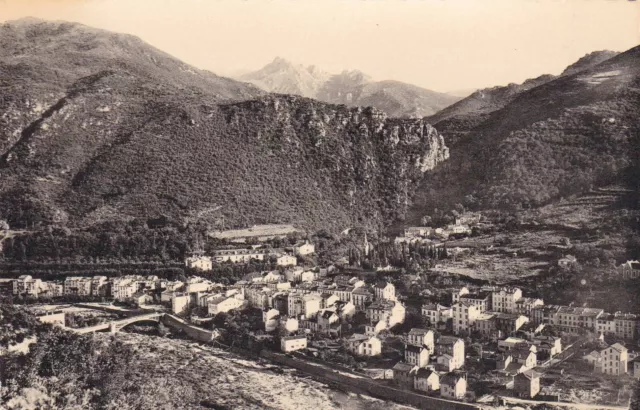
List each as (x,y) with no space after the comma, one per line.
(443,45)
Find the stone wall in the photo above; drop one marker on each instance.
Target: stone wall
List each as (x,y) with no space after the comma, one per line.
(364,385)
(194,332)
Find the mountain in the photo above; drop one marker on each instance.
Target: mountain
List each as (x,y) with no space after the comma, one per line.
(98,126)
(281,76)
(553,138)
(589,60)
(350,87)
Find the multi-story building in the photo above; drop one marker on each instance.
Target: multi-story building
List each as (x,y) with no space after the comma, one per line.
(51,289)
(303,304)
(364,345)
(293,343)
(99,286)
(485,325)
(222,304)
(613,360)
(180,302)
(630,270)
(508,323)
(481,299)
(421,337)
(199,262)
(452,346)
(453,386)
(385,290)
(527,384)
(417,355)
(427,380)
(571,319)
(504,299)
(305,248)
(551,345)
(238,255)
(545,315)
(286,260)
(387,311)
(361,297)
(606,324)
(436,313)
(525,306)
(464,315)
(625,325)
(455,295)
(77,285)
(123,289)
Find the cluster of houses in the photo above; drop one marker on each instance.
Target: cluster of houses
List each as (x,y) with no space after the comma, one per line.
(462,226)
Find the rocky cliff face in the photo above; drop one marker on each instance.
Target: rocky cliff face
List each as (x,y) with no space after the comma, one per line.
(124,138)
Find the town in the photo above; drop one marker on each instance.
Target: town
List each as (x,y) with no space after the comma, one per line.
(483,344)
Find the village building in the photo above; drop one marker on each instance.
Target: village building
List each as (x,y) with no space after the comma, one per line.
(421,337)
(426,380)
(527,384)
(625,325)
(238,255)
(523,356)
(329,322)
(77,285)
(509,323)
(452,346)
(256,232)
(180,302)
(457,294)
(99,286)
(572,319)
(417,355)
(606,324)
(293,343)
(403,374)
(123,289)
(418,231)
(481,299)
(485,325)
(361,297)
(364,345)
(305,248)
(51,289)
(636,367)
(446,363)
(199,262)
(613,360)
(629,270)
(303,304)
(223,304)
(384,290)
(453,386)
(525,306)
(504,299)
(345,310)
(141,298)
(286,260)
(464,315)
(545,315)
(436,313)
(27,286)
(550,345)
(387,311)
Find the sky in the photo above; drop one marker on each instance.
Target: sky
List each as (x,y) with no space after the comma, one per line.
(443,45)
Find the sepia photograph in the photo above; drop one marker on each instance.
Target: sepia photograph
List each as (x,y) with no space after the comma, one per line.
(319,204)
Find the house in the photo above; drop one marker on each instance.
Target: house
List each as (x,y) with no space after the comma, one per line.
(527,384)
(503,361)
(364,345)
(345,309)
(384,290)
(510,343)
(293,343)
(403,374)
(417,355)
(303,304)
(385,310)
(361,296)
(446,363)
(453,386)
(606,324)
(485,324)
(613,360)
(271,319)
(326,319)
(504,299)
(52,289)
(464,315)
(305,248)
(509,323)
(375,328)
(436,313)
(180,302)
(286,260)
(629,270)
(480,299)
(524,306)
(123,289)
(26,285)
(417,231)
(452,346)
(222,304)
(545,315)
(77,285)
(574,319)
(525,357)
(593,358)
(625,325)
(141,298)
(239,255)
(196,284)
(421,337)
(426,380)
(551,345)
(99,285)
(455,295)
(199,262)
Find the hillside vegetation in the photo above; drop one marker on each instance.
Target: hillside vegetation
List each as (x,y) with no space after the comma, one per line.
(550,141)
(99,126)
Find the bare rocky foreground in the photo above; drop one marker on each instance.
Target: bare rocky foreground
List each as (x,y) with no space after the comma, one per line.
(176,373)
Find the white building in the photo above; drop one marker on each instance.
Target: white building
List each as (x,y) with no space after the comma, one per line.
(421,337)
(123,289)
(202,263)
(286,260)
(504,300)
(305,248)
(77,285)
(223,304)
(293,343)
(385,290)
(464,316)
(180,302)
(436,313)
(453,386)
(613,360)
(26,285)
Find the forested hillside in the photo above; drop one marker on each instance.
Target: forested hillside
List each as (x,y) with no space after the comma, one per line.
(552,140)
(101,127)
